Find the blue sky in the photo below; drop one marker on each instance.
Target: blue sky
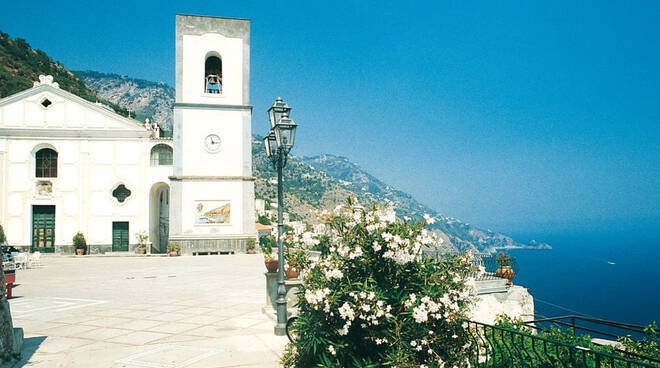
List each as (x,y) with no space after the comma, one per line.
(524,117)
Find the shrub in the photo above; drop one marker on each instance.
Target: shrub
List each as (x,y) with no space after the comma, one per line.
(296,259)
(251,245)
(503,259)
(267,243)
(648,346)
(142,238)
(3,239)
(79,242)
(645,350)
(372,300)
(264,220)
(173,247)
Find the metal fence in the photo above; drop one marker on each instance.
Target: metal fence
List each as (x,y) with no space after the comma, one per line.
(495,346)
(486,261)
(607,331)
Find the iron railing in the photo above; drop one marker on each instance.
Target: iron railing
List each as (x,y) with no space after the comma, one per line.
(595,326)
(485,260)
(496,346)
(608,331)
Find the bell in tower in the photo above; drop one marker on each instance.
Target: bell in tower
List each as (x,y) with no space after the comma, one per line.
(212,187)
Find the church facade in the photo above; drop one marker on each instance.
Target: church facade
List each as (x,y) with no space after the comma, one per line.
(68,165)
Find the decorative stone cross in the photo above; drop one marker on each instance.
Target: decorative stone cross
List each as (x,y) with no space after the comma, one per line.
(46,80)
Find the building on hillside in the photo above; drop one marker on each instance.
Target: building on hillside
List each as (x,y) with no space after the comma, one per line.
(260,207)
(263,230)
(68,165)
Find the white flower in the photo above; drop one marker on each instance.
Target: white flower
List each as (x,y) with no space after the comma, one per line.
(346,312)
(334,274)
(420,314)
(428,219)
(331,349)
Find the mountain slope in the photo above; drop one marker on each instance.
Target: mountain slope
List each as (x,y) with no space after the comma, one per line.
(312,183)
(370,189)
(144,99)
(20,67)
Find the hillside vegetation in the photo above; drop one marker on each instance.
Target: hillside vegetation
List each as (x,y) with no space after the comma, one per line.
(21,65)
(144,99)
(312,184)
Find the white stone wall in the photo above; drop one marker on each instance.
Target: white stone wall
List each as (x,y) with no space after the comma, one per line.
(197,47)
(192,126)
(199,173)
(517,302)
(97,151)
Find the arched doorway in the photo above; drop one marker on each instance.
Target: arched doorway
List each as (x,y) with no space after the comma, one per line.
(159,216)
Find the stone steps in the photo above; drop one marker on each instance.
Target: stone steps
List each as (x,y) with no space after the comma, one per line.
(492,286)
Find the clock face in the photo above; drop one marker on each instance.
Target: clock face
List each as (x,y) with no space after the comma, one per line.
(212,143)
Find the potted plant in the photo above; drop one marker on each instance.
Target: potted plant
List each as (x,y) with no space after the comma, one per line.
(270,260)
(3,239)
(296,260)
(251,246)
(142,242)
(174,249)
(504,269)
(79,243)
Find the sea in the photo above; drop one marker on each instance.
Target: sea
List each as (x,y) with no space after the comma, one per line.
(614,277)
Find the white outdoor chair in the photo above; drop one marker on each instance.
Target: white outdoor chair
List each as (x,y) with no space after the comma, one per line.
(34,260)
(21,260)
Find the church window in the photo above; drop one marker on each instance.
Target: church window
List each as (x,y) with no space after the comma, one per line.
(213,75)
(46,102)
(46,163)
(121,193)
(161,154)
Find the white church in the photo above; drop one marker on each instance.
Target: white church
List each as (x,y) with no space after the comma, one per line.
(69,165)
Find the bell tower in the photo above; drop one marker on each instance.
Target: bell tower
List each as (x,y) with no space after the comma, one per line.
(212,187)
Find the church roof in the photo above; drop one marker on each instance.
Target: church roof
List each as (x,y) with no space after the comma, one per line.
(120,126)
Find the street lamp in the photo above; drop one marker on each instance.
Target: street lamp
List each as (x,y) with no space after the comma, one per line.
(278,143)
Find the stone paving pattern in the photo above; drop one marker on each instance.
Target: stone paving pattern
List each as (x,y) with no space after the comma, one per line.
(153,312)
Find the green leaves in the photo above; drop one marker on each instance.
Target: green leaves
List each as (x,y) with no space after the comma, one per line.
(356,308)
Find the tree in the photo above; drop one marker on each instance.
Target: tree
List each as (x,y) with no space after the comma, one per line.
(264,220)
(373,300)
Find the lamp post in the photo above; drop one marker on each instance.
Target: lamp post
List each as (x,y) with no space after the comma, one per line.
(278,143)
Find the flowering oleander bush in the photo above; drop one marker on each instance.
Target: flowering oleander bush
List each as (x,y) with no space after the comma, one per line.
(372,300)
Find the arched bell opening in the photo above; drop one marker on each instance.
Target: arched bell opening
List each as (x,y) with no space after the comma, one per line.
(213,74)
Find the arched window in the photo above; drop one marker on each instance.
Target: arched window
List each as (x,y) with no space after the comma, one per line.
(46,163)
(161,154)
(213,75)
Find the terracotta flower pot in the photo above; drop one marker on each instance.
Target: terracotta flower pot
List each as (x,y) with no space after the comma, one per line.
(291,273)
(80,252)
(272,266)
(142,250)
(505,272)
(174,254)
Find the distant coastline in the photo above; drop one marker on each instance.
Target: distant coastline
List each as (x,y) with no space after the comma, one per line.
(532,245)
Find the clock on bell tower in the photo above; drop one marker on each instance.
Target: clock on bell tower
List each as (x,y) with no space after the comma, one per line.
(212,187)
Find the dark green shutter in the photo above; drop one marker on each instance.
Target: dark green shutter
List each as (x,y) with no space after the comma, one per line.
(43,229)
(120,236)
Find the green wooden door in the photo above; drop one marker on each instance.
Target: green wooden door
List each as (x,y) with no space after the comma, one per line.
(43,229)
(120,236)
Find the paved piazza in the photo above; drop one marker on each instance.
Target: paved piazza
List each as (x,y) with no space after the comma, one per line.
(152,312)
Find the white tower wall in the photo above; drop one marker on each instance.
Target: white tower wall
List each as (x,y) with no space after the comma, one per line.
(212,187)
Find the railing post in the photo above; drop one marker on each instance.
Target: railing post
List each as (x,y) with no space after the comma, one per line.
(573,325)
